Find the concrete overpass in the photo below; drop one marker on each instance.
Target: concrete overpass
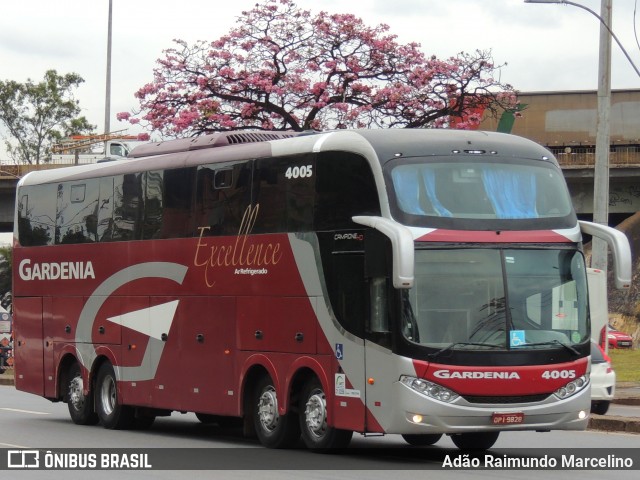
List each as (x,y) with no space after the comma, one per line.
(624,192)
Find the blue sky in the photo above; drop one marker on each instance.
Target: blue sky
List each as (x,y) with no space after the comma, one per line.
(546,47)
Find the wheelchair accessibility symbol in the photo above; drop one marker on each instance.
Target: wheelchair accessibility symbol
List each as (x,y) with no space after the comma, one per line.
(517,338)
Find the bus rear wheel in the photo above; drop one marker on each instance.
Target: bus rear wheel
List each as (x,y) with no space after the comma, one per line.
(273,430)
(80,405)
(422,440)
(313,420)
(113,415)
(475,440)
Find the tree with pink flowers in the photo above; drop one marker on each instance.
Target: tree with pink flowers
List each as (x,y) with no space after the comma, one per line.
(283,68)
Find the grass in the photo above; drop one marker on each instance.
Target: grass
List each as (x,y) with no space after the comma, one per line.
(626,364)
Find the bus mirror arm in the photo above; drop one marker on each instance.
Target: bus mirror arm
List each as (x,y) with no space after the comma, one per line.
(619,247)
(401,244)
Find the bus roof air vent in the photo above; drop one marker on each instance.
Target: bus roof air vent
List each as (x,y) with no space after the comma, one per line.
(218,139)
(250,137)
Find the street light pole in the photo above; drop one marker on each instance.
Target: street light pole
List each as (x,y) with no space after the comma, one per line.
(601,171)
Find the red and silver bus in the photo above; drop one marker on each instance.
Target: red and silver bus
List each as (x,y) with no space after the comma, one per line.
(414,282)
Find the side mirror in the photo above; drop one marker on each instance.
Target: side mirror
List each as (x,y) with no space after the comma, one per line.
(620,250)
(401,244)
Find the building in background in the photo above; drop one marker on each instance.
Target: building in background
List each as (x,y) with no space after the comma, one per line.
(565,122)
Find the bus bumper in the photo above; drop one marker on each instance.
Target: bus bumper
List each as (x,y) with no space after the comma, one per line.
(420,414)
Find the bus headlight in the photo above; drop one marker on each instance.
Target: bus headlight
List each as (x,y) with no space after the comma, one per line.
(429,389)
(572,387)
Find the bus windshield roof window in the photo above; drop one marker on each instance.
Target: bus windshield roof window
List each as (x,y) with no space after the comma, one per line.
(489,190)
(478,298)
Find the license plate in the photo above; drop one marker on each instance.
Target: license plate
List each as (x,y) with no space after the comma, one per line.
(507,418)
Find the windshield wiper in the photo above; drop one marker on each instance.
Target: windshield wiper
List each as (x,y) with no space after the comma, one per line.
(552,342)
(462,344)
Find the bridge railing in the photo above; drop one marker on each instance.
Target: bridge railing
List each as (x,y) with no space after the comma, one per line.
(18,171)
(586,156)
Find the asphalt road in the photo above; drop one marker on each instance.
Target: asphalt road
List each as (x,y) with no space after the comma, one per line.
(30,422)
(624,410)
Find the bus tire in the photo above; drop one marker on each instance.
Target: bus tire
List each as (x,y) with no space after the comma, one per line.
(112,414)
(422,440)
(316,434)
(273,430)
(600,407)
(80,405)
(475,440)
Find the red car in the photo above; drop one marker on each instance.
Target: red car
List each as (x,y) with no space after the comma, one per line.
(618,339)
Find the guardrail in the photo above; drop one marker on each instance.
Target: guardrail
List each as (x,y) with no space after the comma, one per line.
(18,171)
(585,157)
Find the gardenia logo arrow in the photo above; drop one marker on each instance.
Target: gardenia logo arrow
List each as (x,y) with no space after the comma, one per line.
(153,321)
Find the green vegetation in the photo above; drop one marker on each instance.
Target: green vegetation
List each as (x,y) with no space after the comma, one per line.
(626,364)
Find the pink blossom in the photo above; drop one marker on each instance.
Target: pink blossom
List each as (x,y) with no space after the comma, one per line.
(282,67)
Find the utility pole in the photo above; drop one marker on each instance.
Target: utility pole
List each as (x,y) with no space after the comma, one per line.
(601,172)
(107,102)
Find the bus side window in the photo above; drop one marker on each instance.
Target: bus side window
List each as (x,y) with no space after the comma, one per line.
(77,210)
(37,213)
(345,187)
(347,291)
(176,203)
(105,209)
(221,198)
(284,190)
(127,207)
(153,207)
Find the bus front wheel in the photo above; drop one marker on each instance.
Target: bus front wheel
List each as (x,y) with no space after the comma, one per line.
(475,440)
(80,405)
(112,414)
(313,420)
(273,430)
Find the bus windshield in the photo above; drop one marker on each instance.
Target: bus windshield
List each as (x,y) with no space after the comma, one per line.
(491,298)
(492,189)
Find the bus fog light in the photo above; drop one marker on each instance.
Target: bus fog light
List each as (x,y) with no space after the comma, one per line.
(416,418)
(572,387)
(429,389)
(582,415)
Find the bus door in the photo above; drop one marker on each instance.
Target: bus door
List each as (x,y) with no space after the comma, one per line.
(347,288)
(379,365)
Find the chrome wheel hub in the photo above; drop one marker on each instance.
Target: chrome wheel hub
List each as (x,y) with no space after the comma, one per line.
(315,413)
(268,409)
(108,395)
(76,395)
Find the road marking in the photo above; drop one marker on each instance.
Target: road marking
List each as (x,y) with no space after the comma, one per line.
(17,410)
(11,445)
